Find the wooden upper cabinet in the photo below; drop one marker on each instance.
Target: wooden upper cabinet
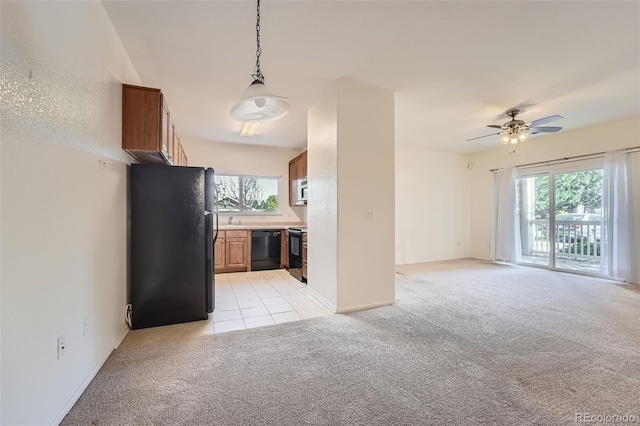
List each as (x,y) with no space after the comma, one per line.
(297,172)
(148,131)
(293,176)
(172,142)
(303,166)
(184,157)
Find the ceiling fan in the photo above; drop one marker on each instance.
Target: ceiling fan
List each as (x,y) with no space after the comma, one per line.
(515,131)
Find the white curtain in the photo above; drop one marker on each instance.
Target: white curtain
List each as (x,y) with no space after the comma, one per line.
(615,242)
(507,223)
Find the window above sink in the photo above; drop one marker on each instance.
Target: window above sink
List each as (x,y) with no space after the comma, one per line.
(246,195)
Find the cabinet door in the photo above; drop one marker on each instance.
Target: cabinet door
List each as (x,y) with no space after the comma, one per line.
(299,168)
(142,117)
(219,255)
(304,269)
(303,166)
(172,142)
(284,253)
(164,141)
(236,252)
(179,152)
(293,176)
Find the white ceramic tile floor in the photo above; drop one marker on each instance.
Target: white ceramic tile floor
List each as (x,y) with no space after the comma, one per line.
(286,317)
(280,308)
(259,321)
(256,303)
(227,315)
(255,299)
(278,300)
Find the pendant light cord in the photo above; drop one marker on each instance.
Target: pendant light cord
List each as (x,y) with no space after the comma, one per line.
(257,75)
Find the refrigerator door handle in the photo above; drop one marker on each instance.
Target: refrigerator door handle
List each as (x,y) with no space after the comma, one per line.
(215,238)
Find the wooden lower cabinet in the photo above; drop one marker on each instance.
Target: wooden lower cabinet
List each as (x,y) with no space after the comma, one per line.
(304,269)
(231,252)
(219,254)
(284,249)
(236,253)
(304,255)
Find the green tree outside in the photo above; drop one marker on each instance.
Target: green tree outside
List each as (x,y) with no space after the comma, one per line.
(571,190)
(271,204)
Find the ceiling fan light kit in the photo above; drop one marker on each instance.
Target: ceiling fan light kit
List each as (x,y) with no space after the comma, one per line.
(516,131)
(258,104)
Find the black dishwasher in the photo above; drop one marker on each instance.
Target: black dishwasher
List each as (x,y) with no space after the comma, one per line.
(265,249)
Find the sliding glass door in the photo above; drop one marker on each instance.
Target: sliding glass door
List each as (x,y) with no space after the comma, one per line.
(577,205)
(560,221)
(533,211)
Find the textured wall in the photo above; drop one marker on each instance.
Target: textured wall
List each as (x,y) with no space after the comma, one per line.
(64,180)
(432,205)
(366,260)
(351,169)
(322,210)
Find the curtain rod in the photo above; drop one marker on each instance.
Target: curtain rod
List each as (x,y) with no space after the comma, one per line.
(568,159)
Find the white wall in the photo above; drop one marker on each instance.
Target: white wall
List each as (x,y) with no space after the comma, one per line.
(609,136)
(64,180)
(366,176)
(256,160)
(351,136)
(322,215)
(432,205)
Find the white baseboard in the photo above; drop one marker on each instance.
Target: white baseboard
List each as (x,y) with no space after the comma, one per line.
(436,260)
(362,307)
(415,262)
(324,301)
(335,310)
(83,386)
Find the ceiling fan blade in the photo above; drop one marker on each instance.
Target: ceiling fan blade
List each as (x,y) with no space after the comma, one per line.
(495,126)
(534,130)
(485,136)
(544,120)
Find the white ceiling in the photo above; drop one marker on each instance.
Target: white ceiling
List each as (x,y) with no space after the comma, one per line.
(455,66)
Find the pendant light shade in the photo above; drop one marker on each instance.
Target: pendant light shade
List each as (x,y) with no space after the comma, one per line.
(258,105)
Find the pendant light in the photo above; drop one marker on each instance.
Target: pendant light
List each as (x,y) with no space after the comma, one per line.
(258,104)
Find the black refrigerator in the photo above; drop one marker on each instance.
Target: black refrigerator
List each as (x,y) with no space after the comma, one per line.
(172,227)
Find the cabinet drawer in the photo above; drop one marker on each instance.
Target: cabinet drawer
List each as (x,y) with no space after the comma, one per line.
(221,235)
(236,234)
(304,237)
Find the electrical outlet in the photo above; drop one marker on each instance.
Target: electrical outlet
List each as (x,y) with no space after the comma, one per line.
(61,346)
(85,325)
(370,213)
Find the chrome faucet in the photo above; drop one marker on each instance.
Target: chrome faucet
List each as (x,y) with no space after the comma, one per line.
(230,220)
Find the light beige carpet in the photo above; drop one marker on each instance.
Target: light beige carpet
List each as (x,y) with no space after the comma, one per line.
(469,342)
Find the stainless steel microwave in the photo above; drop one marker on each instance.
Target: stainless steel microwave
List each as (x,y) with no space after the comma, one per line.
(302,192)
